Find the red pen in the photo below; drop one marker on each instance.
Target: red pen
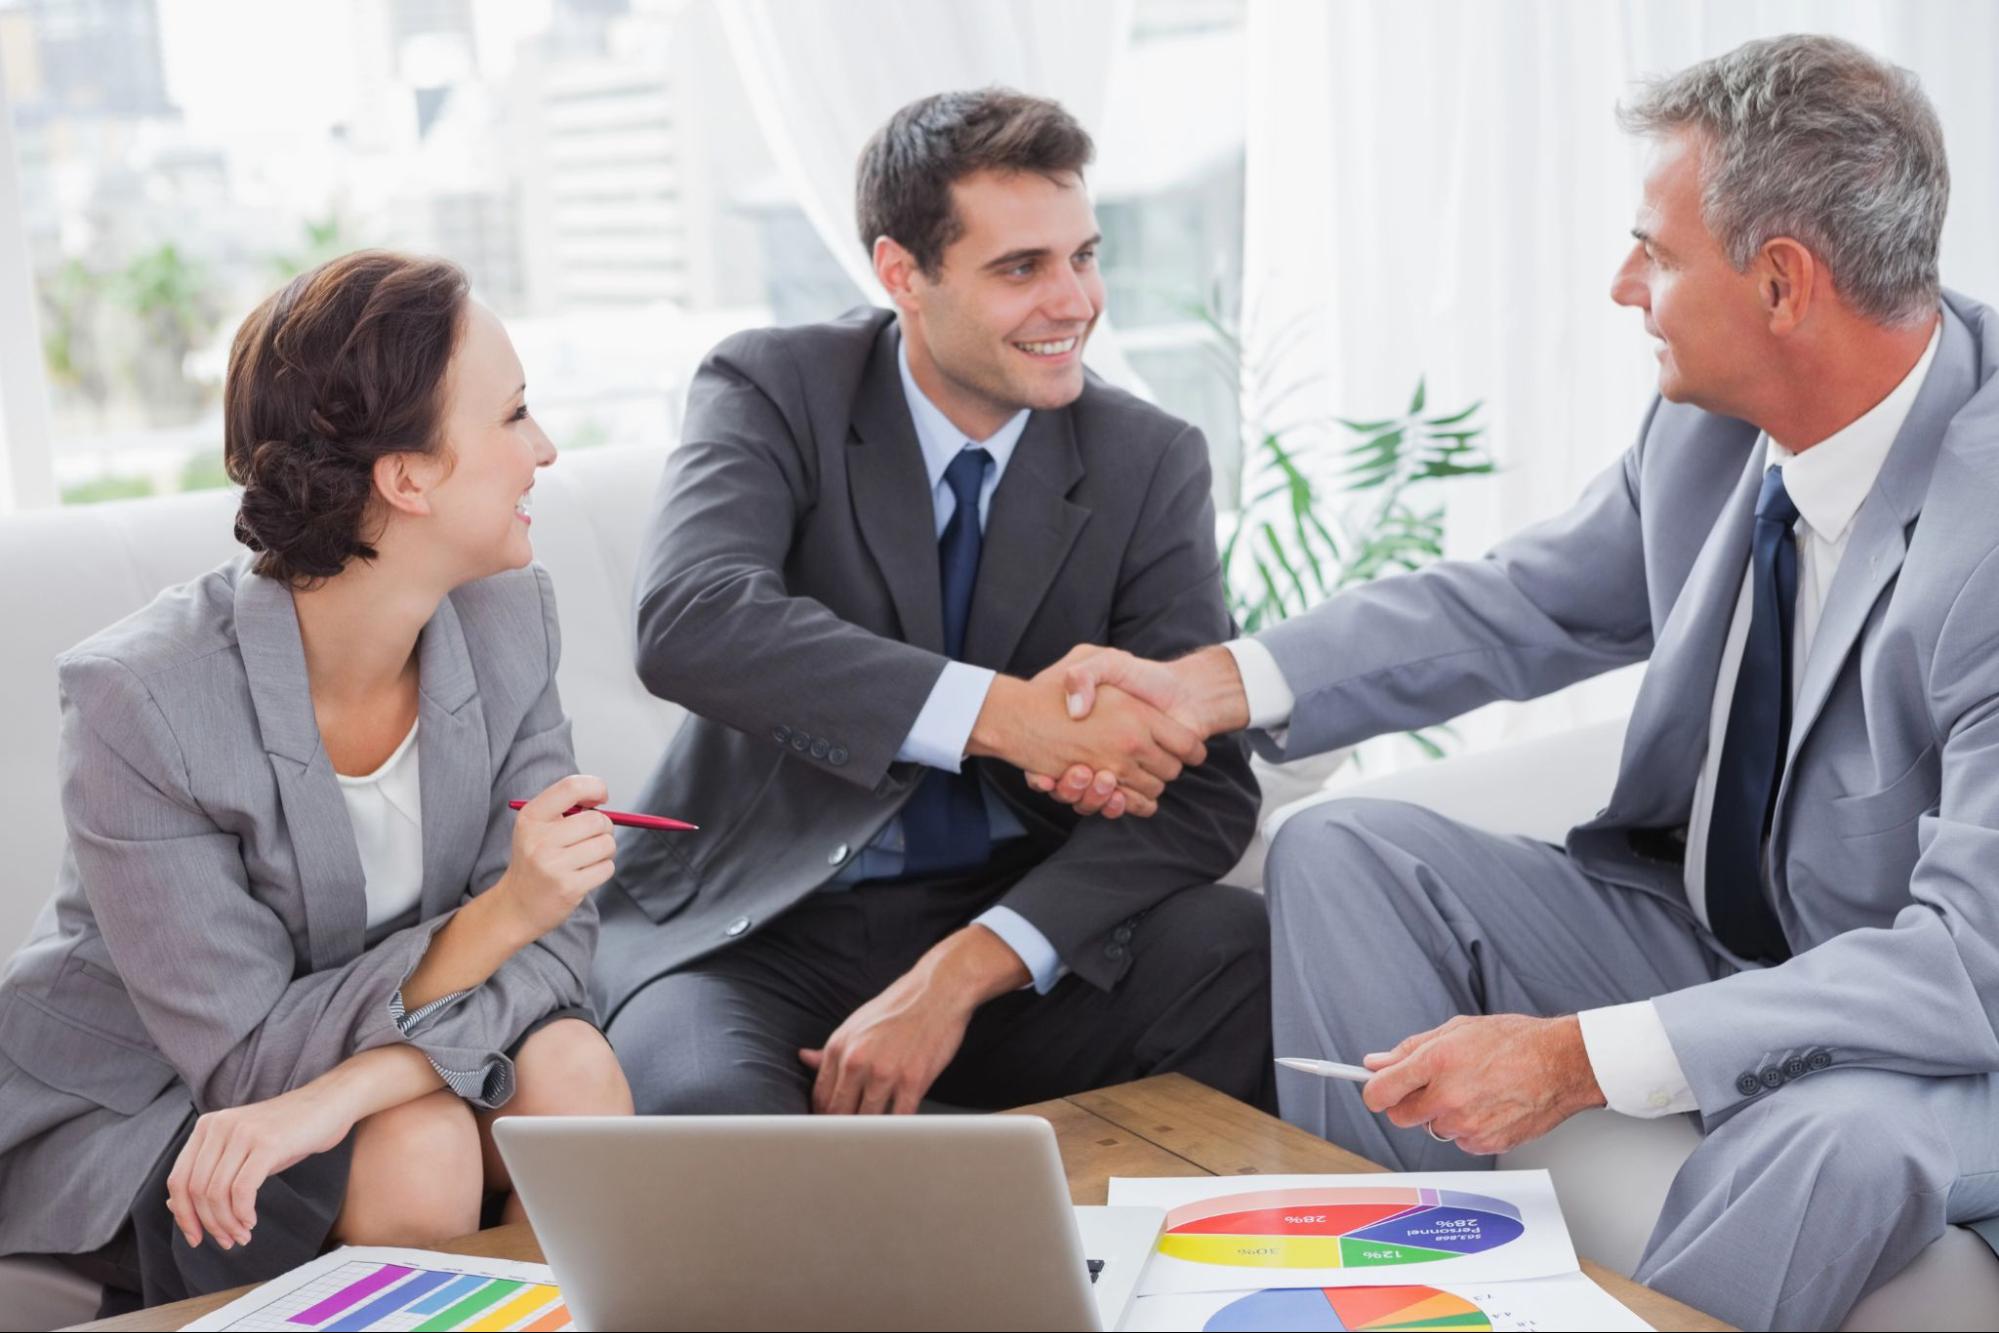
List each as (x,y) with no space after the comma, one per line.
(625,818)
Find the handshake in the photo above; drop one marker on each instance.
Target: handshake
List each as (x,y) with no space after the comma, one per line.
(1104,731)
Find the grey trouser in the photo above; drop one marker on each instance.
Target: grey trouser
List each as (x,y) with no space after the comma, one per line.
(722,1035)
(1388,919)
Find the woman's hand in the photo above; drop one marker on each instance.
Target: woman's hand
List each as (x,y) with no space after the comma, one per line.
(558,857)
(212,1190)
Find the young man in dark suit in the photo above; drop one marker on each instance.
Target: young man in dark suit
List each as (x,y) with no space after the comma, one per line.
(877,539)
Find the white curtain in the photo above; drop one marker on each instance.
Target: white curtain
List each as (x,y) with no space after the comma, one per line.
(1440,187)
(823,75)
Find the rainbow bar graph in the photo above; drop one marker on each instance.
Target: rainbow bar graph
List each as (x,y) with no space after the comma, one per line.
(363,1296)
(469,1313)
(451,1293)
(315,1315)
(530,1301)
(399,1298)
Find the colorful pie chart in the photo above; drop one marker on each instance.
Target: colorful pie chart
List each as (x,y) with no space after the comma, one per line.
(1309,1310)
(1338,1227)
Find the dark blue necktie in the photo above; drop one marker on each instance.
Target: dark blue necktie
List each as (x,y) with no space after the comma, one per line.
(944,822)
(1759,734)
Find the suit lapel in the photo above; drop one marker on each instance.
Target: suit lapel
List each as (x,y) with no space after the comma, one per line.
(1880,537)
(331,884)
(1030,529)
(454,762)
(1669,721)
(1873,557)
(892,501)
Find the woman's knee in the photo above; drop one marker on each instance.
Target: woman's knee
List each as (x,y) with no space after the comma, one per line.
(567,1068)
(416,1175)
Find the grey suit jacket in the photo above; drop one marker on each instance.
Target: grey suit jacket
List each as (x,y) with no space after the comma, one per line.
(206,944)
(789,596)
(1885,847)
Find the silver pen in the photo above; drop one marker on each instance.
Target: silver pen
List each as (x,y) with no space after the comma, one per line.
(1326,1068)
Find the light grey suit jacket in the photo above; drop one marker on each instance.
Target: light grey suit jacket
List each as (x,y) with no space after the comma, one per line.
(788,595)
(1885,846)
(206,946)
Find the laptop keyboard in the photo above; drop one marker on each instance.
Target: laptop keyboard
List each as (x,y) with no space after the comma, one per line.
(1096,1268)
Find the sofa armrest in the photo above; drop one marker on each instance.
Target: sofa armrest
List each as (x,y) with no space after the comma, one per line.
(1540,788)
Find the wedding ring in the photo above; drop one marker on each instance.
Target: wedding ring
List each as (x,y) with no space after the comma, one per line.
(1431,1130)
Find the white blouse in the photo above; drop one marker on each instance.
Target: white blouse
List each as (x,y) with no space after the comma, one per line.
(386,809)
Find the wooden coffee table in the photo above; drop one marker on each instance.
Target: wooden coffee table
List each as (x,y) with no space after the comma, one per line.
(1166,1126)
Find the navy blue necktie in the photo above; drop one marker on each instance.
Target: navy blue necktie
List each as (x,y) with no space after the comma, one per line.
(1759,734)
(944,822)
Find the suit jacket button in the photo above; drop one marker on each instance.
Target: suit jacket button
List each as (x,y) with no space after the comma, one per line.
(836,756)
(1748,1085)
(736,927)
(1114,951)
(800,741)
(1122,934)
(837,855)
(1772,1077)
(1818,1060)
(780,734)
(819,749)
(1794,1067)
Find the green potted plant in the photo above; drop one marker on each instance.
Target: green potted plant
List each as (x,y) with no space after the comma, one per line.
(1325,503)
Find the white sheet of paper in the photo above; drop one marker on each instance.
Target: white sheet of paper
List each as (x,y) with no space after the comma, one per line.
(1236,1233)
(1542,1305)
(396,1289)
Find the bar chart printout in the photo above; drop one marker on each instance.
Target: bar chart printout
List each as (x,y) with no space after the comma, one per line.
(408,1291)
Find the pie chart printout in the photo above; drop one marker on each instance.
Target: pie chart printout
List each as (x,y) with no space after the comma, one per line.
(1312,1310)
(1339,1227)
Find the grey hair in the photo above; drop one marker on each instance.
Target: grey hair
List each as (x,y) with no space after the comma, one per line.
(1816,139)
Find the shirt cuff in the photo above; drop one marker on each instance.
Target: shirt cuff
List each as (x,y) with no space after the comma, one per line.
(1263,684)
(944,726)
(405,1020)
(1633,1061)
(491,1085)
(1044,965)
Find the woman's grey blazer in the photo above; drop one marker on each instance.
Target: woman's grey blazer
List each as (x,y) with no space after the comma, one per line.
(206,946)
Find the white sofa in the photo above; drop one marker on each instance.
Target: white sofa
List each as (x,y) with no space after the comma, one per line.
(75,570)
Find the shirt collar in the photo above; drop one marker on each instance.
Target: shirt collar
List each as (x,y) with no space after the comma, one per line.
(1829,481)
(940,440)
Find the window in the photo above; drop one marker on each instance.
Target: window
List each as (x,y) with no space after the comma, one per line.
(594,165)
(178,161)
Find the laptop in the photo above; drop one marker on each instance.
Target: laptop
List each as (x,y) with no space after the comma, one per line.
(820,1222)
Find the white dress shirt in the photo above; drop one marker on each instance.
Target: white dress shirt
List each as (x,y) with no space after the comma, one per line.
(1629,1052)
(386,809)
(943,726)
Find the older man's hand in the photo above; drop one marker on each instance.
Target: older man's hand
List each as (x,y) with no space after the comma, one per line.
(1489,1084)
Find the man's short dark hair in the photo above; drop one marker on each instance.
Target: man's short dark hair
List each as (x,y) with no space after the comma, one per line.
(902,189)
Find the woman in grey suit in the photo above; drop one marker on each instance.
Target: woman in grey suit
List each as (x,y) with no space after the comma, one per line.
(303,954)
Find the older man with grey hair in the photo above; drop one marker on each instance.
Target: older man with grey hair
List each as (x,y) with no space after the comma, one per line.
(1786,920)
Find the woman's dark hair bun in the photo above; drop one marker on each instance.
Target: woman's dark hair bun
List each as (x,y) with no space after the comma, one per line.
(342,366)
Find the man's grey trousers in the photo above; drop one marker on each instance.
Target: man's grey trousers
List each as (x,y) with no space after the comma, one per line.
(1388,919)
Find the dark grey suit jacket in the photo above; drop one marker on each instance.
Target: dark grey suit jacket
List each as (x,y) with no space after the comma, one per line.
(788,595)
(207,944)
